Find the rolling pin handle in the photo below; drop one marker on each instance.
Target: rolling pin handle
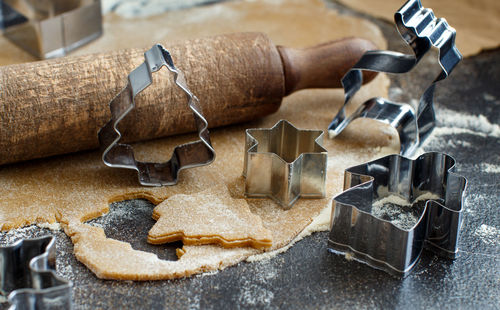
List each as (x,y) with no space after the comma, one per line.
(324,65)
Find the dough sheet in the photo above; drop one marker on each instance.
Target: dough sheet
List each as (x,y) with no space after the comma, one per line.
(477,21)
(75,188)
(209,217)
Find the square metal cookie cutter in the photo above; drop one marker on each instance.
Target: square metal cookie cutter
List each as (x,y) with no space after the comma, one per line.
(50,28)
(27,274)
(380,243)
(421,30)
(284,163)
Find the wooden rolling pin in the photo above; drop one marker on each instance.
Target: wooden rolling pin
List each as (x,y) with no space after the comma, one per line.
(57,106)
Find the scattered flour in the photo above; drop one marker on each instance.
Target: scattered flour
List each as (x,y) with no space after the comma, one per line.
(134,8)
(488,234)
(391,208)
(392,199)
(194,302)
(255,295)
(64,269)
(256,291)
(490,168)
(341,161)
(488,97)
(348,256)
(52,226)
(13,235)
(320,223)
(456,122)
(393,213)
(208,273)
(395,91)
(450,131)
(401,201)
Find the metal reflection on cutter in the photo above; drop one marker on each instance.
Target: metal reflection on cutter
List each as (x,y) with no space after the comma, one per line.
(51,28)
(284,163)
(420,29)
(188,155)
(28,275)
(379,242)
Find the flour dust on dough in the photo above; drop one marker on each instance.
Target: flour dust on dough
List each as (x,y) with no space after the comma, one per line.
(75,188)
(208,217)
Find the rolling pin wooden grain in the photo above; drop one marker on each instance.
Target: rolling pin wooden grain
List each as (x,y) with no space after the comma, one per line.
(57,106)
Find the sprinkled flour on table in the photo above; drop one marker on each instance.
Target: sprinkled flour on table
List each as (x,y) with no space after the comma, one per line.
(320,223)
(488,234)
(52,226)
(489,168)
(399,211)
(456,122)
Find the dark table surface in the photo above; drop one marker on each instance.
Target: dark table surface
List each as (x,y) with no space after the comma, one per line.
(307,276)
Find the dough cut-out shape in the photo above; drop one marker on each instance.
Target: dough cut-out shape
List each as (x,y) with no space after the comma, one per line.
(75,188)
(209,217)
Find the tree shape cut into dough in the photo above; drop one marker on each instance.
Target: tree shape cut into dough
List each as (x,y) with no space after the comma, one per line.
(75,188)
(208,217)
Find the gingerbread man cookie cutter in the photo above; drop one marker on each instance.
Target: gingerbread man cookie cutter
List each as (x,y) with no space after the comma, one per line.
(381,242)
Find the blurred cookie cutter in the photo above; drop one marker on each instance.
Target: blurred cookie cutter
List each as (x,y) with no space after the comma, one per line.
(284,163)
(380,243)
(51,28)
(189,155)
(28,275)
(420,29)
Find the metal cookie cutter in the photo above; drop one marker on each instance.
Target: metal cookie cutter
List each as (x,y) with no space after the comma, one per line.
(284,163)
(28,274)
(369,222)
(193,154)
(420,29)
(51,28)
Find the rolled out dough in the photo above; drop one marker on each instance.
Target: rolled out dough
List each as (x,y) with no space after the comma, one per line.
(208,217)
(477,22)
(75,188)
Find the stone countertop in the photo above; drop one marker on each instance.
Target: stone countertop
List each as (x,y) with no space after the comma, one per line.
(307,276)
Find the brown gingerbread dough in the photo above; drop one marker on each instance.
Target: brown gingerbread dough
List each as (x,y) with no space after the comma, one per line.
(75,188)
(208,217)
(477,22)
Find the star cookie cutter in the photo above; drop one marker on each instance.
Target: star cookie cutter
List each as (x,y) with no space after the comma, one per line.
(189,155)
(420,29)
(379,242)
(51,28)
(28,275)
(284,163)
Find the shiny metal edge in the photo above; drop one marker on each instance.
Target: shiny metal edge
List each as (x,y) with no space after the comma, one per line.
(269,175)
(28,275)
(420,29)
(189,155)
(355,232)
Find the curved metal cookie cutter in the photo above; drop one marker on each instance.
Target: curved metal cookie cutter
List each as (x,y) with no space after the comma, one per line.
(420,29)
(50,28)
(388,241)
(28,274)
(193,154)
(284,163)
